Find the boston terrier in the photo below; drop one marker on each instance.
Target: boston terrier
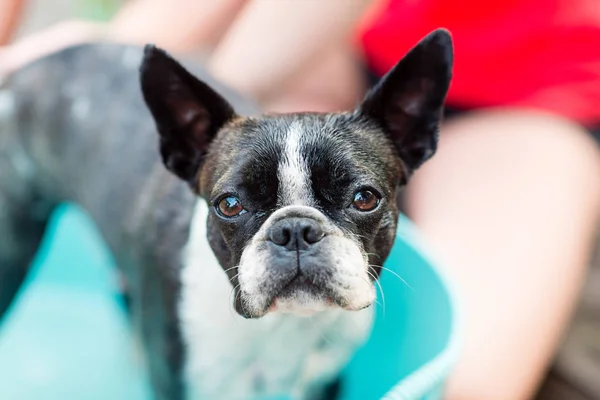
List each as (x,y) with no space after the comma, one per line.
(251,260)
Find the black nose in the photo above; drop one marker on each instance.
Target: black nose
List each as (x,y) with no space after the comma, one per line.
(296,233)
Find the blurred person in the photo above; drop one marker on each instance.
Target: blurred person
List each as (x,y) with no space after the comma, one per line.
(180,26)
(511,202)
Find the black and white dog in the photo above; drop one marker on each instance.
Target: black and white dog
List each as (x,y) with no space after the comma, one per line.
(289,217)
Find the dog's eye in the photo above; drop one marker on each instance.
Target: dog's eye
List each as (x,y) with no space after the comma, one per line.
(230,207)
(365,200)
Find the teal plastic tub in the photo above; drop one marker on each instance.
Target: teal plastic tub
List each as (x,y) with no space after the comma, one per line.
(67,336)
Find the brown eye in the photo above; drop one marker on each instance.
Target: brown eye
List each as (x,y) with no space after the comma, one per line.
(230,207)
(365,200)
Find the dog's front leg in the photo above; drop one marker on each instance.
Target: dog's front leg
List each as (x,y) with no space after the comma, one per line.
(154,304)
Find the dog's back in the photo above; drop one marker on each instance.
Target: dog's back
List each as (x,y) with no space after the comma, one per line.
(74,127)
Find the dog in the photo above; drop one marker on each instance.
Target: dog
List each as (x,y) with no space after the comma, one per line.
(250,244)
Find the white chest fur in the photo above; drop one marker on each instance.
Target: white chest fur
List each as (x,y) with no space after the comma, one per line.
(229,357)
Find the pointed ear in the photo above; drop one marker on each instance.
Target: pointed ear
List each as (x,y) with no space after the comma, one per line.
(187,112)
(407,103)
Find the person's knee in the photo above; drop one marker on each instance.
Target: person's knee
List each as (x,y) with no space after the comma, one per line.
(522,129)
(503,158)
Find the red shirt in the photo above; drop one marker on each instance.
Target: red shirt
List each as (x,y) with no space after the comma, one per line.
(524,53)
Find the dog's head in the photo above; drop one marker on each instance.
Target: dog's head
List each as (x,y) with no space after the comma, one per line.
(304,206)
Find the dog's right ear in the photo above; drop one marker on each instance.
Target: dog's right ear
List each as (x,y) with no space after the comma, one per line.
(187,112)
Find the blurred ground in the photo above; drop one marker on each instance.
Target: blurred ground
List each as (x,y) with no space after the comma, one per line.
(576,375)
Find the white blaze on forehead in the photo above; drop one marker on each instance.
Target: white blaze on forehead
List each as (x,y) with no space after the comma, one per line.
(292,171)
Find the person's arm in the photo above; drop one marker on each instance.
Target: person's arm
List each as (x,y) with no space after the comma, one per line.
(10,14)
(271,41)
(179,26)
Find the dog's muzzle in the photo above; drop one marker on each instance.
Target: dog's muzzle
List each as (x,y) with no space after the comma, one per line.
(300,262)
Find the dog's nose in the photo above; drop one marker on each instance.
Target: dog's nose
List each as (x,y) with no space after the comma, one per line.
(296,233)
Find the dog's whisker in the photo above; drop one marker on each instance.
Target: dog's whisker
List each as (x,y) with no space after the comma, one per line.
(235,287)
(229,269)
(382,296)
(358,236)
(232,304)
(395,274)
(242,302)
(380,289)
(374,255)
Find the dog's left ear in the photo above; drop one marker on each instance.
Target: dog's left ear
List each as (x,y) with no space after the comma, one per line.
(187,112)
(407,103)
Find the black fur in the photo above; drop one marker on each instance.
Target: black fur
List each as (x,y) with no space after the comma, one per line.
(408,102)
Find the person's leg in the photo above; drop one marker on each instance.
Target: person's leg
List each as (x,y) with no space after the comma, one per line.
(334,82)
(271,43)
(511,203)
(199,27)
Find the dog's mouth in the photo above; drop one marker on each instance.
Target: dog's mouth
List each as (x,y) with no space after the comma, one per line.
(301,295)
(327,278)
(298,283)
